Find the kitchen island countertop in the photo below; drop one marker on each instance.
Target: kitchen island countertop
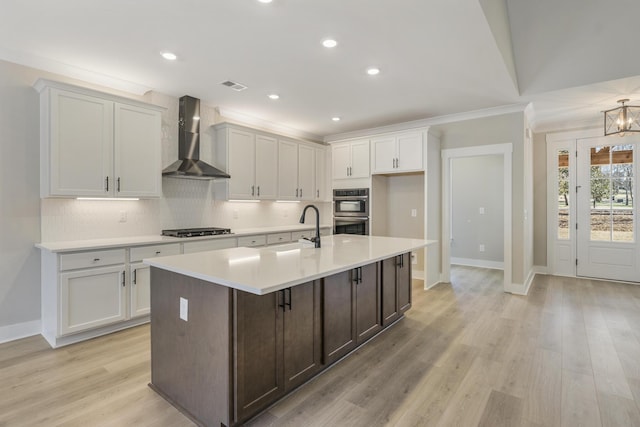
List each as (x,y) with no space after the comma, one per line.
(268,269)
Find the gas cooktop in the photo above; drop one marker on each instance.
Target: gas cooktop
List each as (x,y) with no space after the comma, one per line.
(194,232)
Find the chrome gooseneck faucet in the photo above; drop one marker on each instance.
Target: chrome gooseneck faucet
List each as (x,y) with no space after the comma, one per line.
(316,240)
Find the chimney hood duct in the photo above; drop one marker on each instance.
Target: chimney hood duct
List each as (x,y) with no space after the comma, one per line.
(189,165)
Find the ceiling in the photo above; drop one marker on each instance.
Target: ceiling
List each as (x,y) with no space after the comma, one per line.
(571,59)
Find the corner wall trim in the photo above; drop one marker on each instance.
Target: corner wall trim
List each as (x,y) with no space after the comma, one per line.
(19,330)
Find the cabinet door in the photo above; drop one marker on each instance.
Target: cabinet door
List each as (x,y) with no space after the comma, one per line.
(409,152)
(81,145)
(266,167)
(258,341)
(321,174)
(287,170)
(138,171)
(306,172)
(404,283)
(139,287)
(360,159)
(339,336)
(302,334)
(340,161)
(242,157)
(384,154)
(368,313)
(389,291)
(91,298)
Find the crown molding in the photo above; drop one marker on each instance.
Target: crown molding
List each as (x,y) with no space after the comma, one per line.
(431,121)
(265,125)
(72,71)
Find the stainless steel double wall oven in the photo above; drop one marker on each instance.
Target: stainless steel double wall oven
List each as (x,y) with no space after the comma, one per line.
(351,211)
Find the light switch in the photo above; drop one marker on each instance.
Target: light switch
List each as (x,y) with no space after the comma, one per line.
(481,248)
(481,211)
(414,212)
(123,216)
(184,309)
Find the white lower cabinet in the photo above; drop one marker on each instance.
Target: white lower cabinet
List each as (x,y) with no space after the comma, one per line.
(139,289)
(91,298)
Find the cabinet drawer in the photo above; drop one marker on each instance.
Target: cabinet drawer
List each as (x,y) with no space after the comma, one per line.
(209,245)
(274,239)
(91,259)
(306,234)
(259,240)
(141,252)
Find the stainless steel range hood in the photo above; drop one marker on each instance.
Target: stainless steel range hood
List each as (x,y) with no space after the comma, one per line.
(189,165)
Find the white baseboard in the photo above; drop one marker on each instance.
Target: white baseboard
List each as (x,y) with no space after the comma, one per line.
(523,288)
(540,269)
(469,262)
(417,274)
(19,330)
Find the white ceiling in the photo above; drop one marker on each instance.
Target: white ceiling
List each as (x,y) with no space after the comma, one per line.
(437,57)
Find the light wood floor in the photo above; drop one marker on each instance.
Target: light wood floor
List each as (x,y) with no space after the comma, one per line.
(465,355)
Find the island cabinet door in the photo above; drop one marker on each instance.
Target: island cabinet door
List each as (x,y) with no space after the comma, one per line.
(390,311)
(404,283)
(258,352)
(302,333)
(339,321)
(368,314)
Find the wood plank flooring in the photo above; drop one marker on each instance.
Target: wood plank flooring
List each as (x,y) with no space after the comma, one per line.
(466,354)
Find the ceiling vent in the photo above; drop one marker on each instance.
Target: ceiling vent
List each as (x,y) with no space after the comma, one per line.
(234,85)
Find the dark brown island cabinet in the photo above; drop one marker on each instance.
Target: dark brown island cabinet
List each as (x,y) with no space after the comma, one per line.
(240,352)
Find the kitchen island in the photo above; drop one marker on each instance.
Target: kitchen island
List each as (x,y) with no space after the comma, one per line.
(234,330)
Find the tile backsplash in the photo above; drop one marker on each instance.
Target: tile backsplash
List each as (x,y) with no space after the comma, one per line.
(185,203)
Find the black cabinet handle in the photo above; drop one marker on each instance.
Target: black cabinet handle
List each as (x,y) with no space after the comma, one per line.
(123,284)
(96,259)
(253,190)
(258,191)
(281,292)
(106,183)
(158,252)
(135,276)
(118,185)
(288,303)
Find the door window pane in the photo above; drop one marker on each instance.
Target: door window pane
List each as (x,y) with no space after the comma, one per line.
(563,195)
(612,191)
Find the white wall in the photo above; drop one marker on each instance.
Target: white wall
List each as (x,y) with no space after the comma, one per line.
(19,197)
(477,183)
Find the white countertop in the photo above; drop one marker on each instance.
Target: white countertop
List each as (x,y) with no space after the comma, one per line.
(269,269)
(90,244)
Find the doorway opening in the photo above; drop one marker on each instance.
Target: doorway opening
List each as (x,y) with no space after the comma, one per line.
(449,157)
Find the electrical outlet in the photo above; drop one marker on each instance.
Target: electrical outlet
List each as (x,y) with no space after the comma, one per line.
(481,248)
(184,309)
(235,214)
(414,212)
(123,216)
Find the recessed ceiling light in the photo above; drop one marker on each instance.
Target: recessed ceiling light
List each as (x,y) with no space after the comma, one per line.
(274,96)
(265,1)
(373,71)
(329,43)
(335,119)
(169,56)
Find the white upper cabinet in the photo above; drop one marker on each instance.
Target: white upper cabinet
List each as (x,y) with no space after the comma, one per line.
(397,153)
(137,155)
(350,159)
(321,174)
(296,171)
(251,159)
(91,141)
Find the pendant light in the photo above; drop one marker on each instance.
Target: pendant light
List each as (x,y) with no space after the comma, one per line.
(621,120)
